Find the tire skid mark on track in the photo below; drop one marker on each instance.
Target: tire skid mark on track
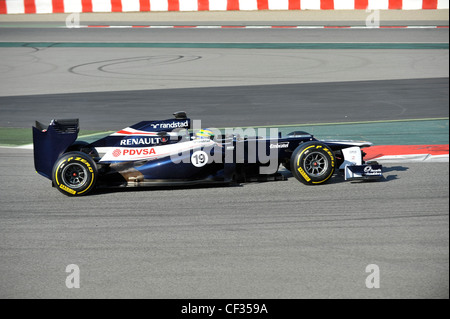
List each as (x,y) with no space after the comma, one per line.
(155,60)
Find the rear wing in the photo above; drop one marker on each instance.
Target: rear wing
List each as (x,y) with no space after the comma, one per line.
(50,142)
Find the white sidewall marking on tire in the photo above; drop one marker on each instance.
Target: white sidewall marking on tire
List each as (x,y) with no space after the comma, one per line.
(199,159)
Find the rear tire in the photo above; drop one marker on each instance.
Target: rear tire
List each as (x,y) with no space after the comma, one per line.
(313,163)
(74,174)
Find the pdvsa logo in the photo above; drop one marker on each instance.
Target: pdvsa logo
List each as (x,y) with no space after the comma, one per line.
(134,152)
(142,151)
(116,153)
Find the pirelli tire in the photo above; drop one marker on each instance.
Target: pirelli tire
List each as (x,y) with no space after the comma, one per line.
(75,174)
(313,163)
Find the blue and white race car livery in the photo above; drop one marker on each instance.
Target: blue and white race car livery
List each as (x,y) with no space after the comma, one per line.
(167,153)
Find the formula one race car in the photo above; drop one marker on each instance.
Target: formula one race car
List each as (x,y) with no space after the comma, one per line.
(166,153)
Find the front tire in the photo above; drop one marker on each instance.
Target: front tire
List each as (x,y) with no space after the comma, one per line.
(313,163)
(74,174)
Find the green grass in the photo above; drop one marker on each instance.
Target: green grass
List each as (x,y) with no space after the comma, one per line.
(15,136)
(23,136)
(400,132)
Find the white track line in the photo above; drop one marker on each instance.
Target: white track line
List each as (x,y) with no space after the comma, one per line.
(250,27)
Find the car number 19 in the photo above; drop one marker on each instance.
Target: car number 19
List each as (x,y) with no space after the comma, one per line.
(199,159)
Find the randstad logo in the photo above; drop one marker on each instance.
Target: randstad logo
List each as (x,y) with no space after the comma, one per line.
(171,125)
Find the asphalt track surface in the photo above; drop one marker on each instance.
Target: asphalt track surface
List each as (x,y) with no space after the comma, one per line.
(250,87)
(239,106)
(224,36)
(28,70)
(263,240)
